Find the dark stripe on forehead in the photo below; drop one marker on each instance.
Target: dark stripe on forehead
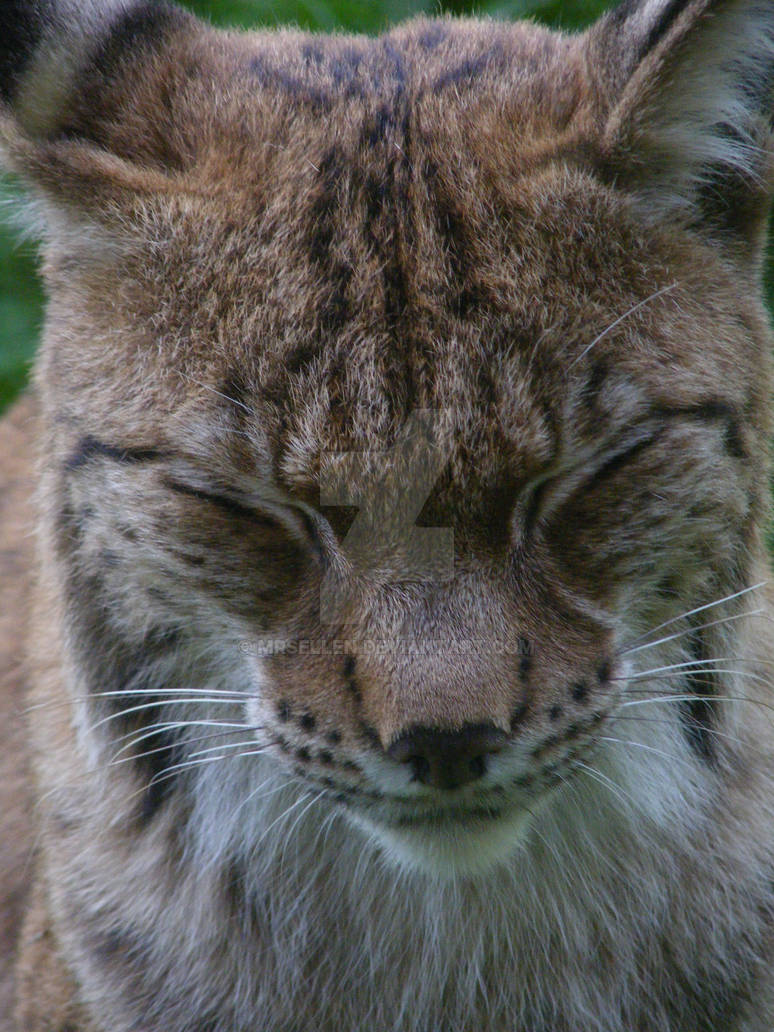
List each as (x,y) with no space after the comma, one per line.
(623,11)
(319,97)
(433,36)
(331,73)
(458,237)
(395,62)
(89,448)
(325,214)
(471,70)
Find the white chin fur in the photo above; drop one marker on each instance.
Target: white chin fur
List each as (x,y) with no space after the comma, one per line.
(450,851)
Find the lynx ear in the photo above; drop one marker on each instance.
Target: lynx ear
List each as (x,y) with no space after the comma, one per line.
(88,91)
(688,100)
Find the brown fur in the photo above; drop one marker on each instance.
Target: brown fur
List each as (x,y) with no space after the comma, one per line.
(16,550)
(265,251)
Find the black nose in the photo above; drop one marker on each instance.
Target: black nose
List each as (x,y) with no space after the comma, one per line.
(448,759)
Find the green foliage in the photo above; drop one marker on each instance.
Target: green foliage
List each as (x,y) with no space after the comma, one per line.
(374,15)
(21,305)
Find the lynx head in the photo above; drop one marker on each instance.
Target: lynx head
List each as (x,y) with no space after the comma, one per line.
(396,392)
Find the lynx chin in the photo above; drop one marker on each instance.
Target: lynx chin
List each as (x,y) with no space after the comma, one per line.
(385,611)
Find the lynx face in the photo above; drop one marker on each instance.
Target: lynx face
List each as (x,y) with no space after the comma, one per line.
(396,659)
(397,393)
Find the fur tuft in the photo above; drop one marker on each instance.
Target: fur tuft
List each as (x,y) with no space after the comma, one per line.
(50,44)
(693,125)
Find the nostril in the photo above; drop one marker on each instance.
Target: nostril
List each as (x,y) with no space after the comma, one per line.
(448,759)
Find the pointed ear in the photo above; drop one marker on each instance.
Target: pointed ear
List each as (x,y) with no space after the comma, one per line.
(92,93)
(686,88)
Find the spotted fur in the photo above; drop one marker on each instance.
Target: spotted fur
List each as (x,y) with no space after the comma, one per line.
(399,655)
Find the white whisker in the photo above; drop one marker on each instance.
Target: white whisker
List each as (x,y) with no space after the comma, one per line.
(689,665)
(115,761)
(691,630)
(169,772)
(215,696)
(285,813)
(225,746)
(701,670)
(693,698)
(160,693)
(693,612)
(148,730)
(154,705)
(620,319)
(647,748)
(316,798)
(669,722)
(603,779)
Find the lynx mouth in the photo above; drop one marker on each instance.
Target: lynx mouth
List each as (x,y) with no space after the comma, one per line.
(448,843)
(467,831)
(443,818)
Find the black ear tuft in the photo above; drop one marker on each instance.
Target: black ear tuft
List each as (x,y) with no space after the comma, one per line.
(141,23)
(648,22)
(66,64)
(632,30)
(21,30)
(660,24)
(689,91)
(104,96)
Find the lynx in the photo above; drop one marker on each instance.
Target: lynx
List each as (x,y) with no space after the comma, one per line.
(394,648)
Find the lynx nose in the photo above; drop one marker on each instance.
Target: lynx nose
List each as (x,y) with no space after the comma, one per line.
(448,759)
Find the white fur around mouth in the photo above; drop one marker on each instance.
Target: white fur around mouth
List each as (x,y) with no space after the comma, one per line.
(442,818)
(447,844)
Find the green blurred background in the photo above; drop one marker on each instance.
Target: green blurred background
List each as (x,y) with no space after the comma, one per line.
(20,292)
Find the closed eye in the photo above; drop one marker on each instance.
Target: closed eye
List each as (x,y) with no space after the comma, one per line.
(535,505)
(574,481)
(618,460)
(224,503)
(295,519)
(292,518)
(716,414)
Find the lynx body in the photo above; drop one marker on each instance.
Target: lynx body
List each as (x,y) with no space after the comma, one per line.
(396,650)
